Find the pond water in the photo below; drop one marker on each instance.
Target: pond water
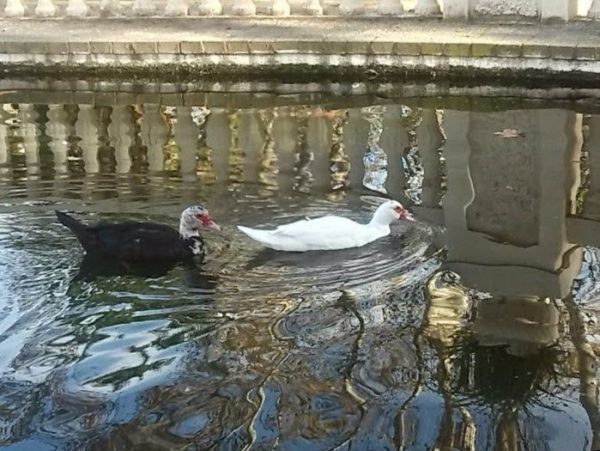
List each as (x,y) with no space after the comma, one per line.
(473,328)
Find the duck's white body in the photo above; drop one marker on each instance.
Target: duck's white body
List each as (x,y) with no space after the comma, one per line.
(329,232)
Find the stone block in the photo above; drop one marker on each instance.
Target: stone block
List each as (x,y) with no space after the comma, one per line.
(457,49)
(334,48)
(168,47)
(238,47)
(100,47)
(509,50)
(535,51)
(357,47)
(482,50)
(382,48)
(261,47)
(17,47)
(217,47)
(432,48)
(407,49)
(585,53)
(141,48)
(560,52)
(192,47)
(79,48)
(37,48)
(122,48)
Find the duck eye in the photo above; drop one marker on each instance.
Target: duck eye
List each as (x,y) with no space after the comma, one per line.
(399,210)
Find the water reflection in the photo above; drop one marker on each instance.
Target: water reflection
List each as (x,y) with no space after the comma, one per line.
(475,328)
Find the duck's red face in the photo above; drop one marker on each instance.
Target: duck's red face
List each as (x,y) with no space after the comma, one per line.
(206,221)
(403,213)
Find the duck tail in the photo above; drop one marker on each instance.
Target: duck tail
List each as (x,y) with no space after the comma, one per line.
(68,221)
(262,236)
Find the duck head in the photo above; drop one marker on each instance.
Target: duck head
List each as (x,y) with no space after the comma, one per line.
(389,212)
(193,219)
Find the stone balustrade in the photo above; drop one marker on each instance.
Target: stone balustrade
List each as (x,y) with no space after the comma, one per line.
(448,9)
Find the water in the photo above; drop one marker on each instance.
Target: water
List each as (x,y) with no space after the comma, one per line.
(474,328)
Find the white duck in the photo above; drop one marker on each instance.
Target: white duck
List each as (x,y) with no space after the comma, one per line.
(330,232)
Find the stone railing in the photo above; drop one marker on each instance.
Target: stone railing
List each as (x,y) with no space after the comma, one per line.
(448,9)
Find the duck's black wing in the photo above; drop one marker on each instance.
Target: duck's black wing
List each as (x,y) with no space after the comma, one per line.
(140,241)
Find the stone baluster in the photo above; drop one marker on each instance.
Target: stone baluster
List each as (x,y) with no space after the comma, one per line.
(210,8)
(349,7)
(30,133)
(280,8)
(427,8)
(45,8)
(594,11)
(14,8)
(58,129)
(121,135)
(390,7)
(144,7)
(86,128)
(243,8)
(76,8)
(110,7)
(175,8)
(155,134)
(186,137)
(312,8)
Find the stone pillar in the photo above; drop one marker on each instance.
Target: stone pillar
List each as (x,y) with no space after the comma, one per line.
(243,8)
(58,129)
(594,11)
(86,128)
(154,132)
(121,132)
(349,7)
(456,9)
(14,8)
(562,10)
(210,8)
(30,133)
(427,8)
(312,8)
(390,7)
(45,8)
(280,8)
(186,136)
(143,7)
(76,8)
(176,8)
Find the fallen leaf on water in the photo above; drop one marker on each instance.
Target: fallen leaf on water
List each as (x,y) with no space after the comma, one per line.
(509,133)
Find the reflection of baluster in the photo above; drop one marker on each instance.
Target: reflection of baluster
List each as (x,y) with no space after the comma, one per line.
(304,176)
(121,133)
(186,135)
(86,128)
(204,165)
(268,157)
(338,160)
(218,137)
(236,156)
(284,131)
(154,133)
(375,158)
(318,140)
(355,138)
(30,132)
(58,129)
(251,142)
(430,139)
(4,159)
(394,139)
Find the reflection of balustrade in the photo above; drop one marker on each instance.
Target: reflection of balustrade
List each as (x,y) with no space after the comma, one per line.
(58,129)
(30,133)
(154,133)
(86,128)
(121,135)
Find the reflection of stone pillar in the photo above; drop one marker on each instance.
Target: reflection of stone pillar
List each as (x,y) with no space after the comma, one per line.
(4,157)
(155,133)
(507,200)
(318,139)
(338,159)
(268,157)
(218,138)
(30,132)
(394,140)
(121,134)
(186,135)
(86,128)
(355,137)
(430,139)
(58,129)
(251,143)
(284,133)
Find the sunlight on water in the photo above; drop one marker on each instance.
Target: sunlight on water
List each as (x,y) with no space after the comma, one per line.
(474,327)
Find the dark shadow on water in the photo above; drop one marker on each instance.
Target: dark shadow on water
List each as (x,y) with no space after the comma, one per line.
(93,267)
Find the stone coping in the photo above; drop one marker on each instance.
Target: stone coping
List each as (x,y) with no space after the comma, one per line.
(358,48)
